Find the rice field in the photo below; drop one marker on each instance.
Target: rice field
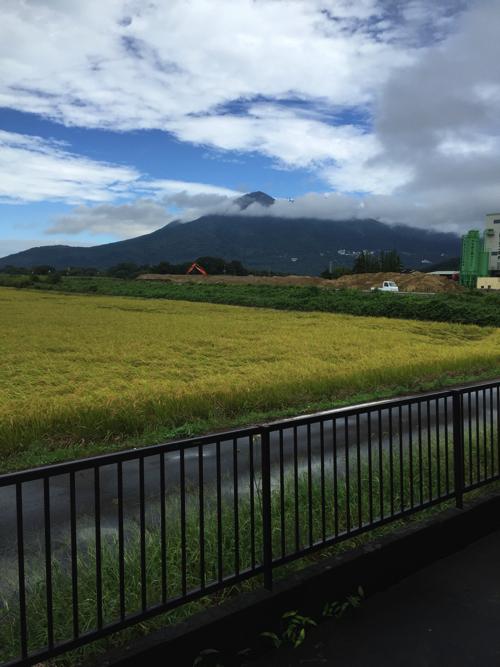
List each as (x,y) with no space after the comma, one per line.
(76,369)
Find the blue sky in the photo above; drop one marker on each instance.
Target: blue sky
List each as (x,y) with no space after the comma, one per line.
(156,155)
(118,117)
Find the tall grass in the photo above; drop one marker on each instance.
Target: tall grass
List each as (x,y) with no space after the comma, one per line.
(80,369)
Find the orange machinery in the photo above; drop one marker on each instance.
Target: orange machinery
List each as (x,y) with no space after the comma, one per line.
(196,267)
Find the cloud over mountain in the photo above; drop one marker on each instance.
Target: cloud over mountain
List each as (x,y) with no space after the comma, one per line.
(391,104)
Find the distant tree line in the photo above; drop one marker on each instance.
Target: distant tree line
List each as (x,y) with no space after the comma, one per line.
(367,262)
(212,265)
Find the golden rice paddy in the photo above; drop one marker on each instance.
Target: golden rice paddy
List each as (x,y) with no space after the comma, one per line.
(84,368)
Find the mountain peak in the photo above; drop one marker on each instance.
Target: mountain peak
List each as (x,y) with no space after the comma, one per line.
(255,197)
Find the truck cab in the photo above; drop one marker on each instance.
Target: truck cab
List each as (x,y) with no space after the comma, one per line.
(387,286)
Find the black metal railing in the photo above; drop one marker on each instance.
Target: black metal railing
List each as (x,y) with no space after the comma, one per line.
(96,545)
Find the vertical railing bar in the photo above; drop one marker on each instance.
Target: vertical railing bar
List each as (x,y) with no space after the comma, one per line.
(163,530)
(48,563)
(347,477)
(267,544)
(201,507)
(498,427)
(236,513)
(322,478)
(401,463)
(251,475)
(296,488)
(420,455)
(438,452)
(391,460)
(478,444)
(74,554)
(370,469)
(458,447)
(492,446)
(410,455)
(282,495)
(335,478)
(429,449)
(121,540)
(309,487)
(358,472)
(21,571)
(142,526)
(98,550)
(380,465)
(485,436)
(182,483)
(446,443)
(220,537)
(471,456)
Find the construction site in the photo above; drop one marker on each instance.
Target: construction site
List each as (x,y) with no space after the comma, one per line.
(407,282)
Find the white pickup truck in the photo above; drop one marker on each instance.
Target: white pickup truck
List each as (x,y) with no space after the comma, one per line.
(387,286)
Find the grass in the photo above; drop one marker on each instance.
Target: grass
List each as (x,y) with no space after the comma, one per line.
(471,307)
(389,490)
(83,372)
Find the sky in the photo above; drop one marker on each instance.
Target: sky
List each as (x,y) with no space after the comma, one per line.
(118,117)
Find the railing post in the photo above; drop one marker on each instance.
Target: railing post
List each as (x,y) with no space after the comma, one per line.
(266,509)
(458,448)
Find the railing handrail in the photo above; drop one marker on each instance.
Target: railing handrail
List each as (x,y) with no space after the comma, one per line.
(99,460)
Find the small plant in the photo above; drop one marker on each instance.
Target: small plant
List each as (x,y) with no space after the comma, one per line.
(339,609)
(294,632)
(207,657)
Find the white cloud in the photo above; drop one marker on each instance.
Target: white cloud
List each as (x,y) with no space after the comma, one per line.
(294,139)
(168,188)
(174,200)
(177,66)
(35,169)
(137,65)
(440,212)
(124,220)
(439,118)
(277,77)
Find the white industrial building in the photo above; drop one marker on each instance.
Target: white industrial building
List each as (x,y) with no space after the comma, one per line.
(492,242)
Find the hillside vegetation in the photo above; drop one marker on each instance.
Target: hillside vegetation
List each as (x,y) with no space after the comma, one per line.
(76,369)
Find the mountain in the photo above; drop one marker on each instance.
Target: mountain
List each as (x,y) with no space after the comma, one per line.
(255,197)
(292,245)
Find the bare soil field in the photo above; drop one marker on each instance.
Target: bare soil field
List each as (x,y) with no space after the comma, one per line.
(407,282)
(238,280)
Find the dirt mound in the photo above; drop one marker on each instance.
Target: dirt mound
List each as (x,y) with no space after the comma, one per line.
(407,282)
(238,280)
